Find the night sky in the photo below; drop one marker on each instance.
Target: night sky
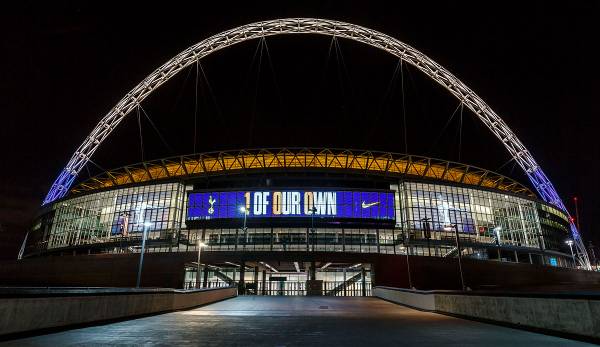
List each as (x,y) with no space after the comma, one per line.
(64,67)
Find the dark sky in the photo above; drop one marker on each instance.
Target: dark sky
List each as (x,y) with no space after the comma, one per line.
(64,67)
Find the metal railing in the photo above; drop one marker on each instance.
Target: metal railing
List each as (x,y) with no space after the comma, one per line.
(284,288)
(209,284)
(298,288)
(294,288)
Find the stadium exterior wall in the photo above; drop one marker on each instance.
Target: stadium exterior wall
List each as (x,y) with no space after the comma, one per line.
(491,224)
(427,273)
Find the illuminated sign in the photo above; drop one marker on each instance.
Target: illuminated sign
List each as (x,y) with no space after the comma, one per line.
(553,262)
(133,212)
(443,211)
(291,203)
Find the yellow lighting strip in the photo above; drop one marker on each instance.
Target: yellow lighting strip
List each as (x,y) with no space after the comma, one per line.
(379,163)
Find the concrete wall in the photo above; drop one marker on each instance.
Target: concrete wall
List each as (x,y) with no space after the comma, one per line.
(63,308)
(166,270)
(569,314)
(161,270)
(415,299)
(434,273)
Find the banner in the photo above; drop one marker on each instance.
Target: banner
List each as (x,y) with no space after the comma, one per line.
(290,204)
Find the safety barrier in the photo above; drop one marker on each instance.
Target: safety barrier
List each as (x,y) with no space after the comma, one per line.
(30,309)
(570,314)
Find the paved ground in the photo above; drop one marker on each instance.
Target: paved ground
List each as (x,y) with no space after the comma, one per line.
(297,321)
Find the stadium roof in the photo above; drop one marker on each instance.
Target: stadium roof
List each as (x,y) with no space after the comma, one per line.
(298,159)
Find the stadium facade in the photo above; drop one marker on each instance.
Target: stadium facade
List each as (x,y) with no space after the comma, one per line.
(312,201)
(301,221)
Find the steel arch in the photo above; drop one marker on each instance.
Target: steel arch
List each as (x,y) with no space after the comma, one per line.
(327,27)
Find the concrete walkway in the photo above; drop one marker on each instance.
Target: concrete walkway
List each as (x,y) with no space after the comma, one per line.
(297,321)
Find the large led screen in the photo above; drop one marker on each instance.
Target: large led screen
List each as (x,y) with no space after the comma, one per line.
(442,210)
(291,203)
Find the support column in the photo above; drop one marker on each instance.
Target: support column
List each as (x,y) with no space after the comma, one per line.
(264,282)
(372,273)
(364,282)
(205,280)
(307,240)
(542,246)
(256,280)
(313,287)
(242,285)
(237,239)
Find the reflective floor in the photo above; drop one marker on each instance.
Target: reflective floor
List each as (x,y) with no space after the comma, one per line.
(297,321)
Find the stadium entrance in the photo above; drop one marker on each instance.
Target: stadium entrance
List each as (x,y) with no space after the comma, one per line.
(283,278)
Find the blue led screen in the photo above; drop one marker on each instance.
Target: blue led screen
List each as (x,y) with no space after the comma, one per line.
(291,203)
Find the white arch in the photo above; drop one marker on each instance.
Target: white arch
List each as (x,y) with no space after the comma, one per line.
(324,27)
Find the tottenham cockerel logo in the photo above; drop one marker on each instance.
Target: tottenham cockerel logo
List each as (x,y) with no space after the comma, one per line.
(211,201)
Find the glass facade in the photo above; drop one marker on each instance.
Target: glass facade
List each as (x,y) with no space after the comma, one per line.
(356,240)
(434,211)
(490,224)
(102,217)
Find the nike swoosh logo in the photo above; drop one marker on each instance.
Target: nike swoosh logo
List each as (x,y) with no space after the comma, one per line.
(365,205)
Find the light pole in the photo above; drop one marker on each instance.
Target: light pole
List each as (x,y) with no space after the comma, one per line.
(462,280)
(406,245)
(199,245)
(244,210)
(570,243)
(497,232)
(312,210)
(139,274)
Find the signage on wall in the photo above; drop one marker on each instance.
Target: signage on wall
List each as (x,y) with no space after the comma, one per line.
(443,211)
(290,204)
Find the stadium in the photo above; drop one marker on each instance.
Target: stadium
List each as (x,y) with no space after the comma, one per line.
(296,221)
(303,202)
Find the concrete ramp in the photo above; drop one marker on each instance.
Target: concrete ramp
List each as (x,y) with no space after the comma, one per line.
(299,321)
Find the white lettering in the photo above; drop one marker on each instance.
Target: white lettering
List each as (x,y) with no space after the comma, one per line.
(286,203)
(320,202)
(257,203)
(331,204)
(265,202)
(295,209)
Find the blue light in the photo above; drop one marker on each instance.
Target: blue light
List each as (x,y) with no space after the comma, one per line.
(60,187)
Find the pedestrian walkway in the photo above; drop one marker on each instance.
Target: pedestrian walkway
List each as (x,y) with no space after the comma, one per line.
(297,321)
